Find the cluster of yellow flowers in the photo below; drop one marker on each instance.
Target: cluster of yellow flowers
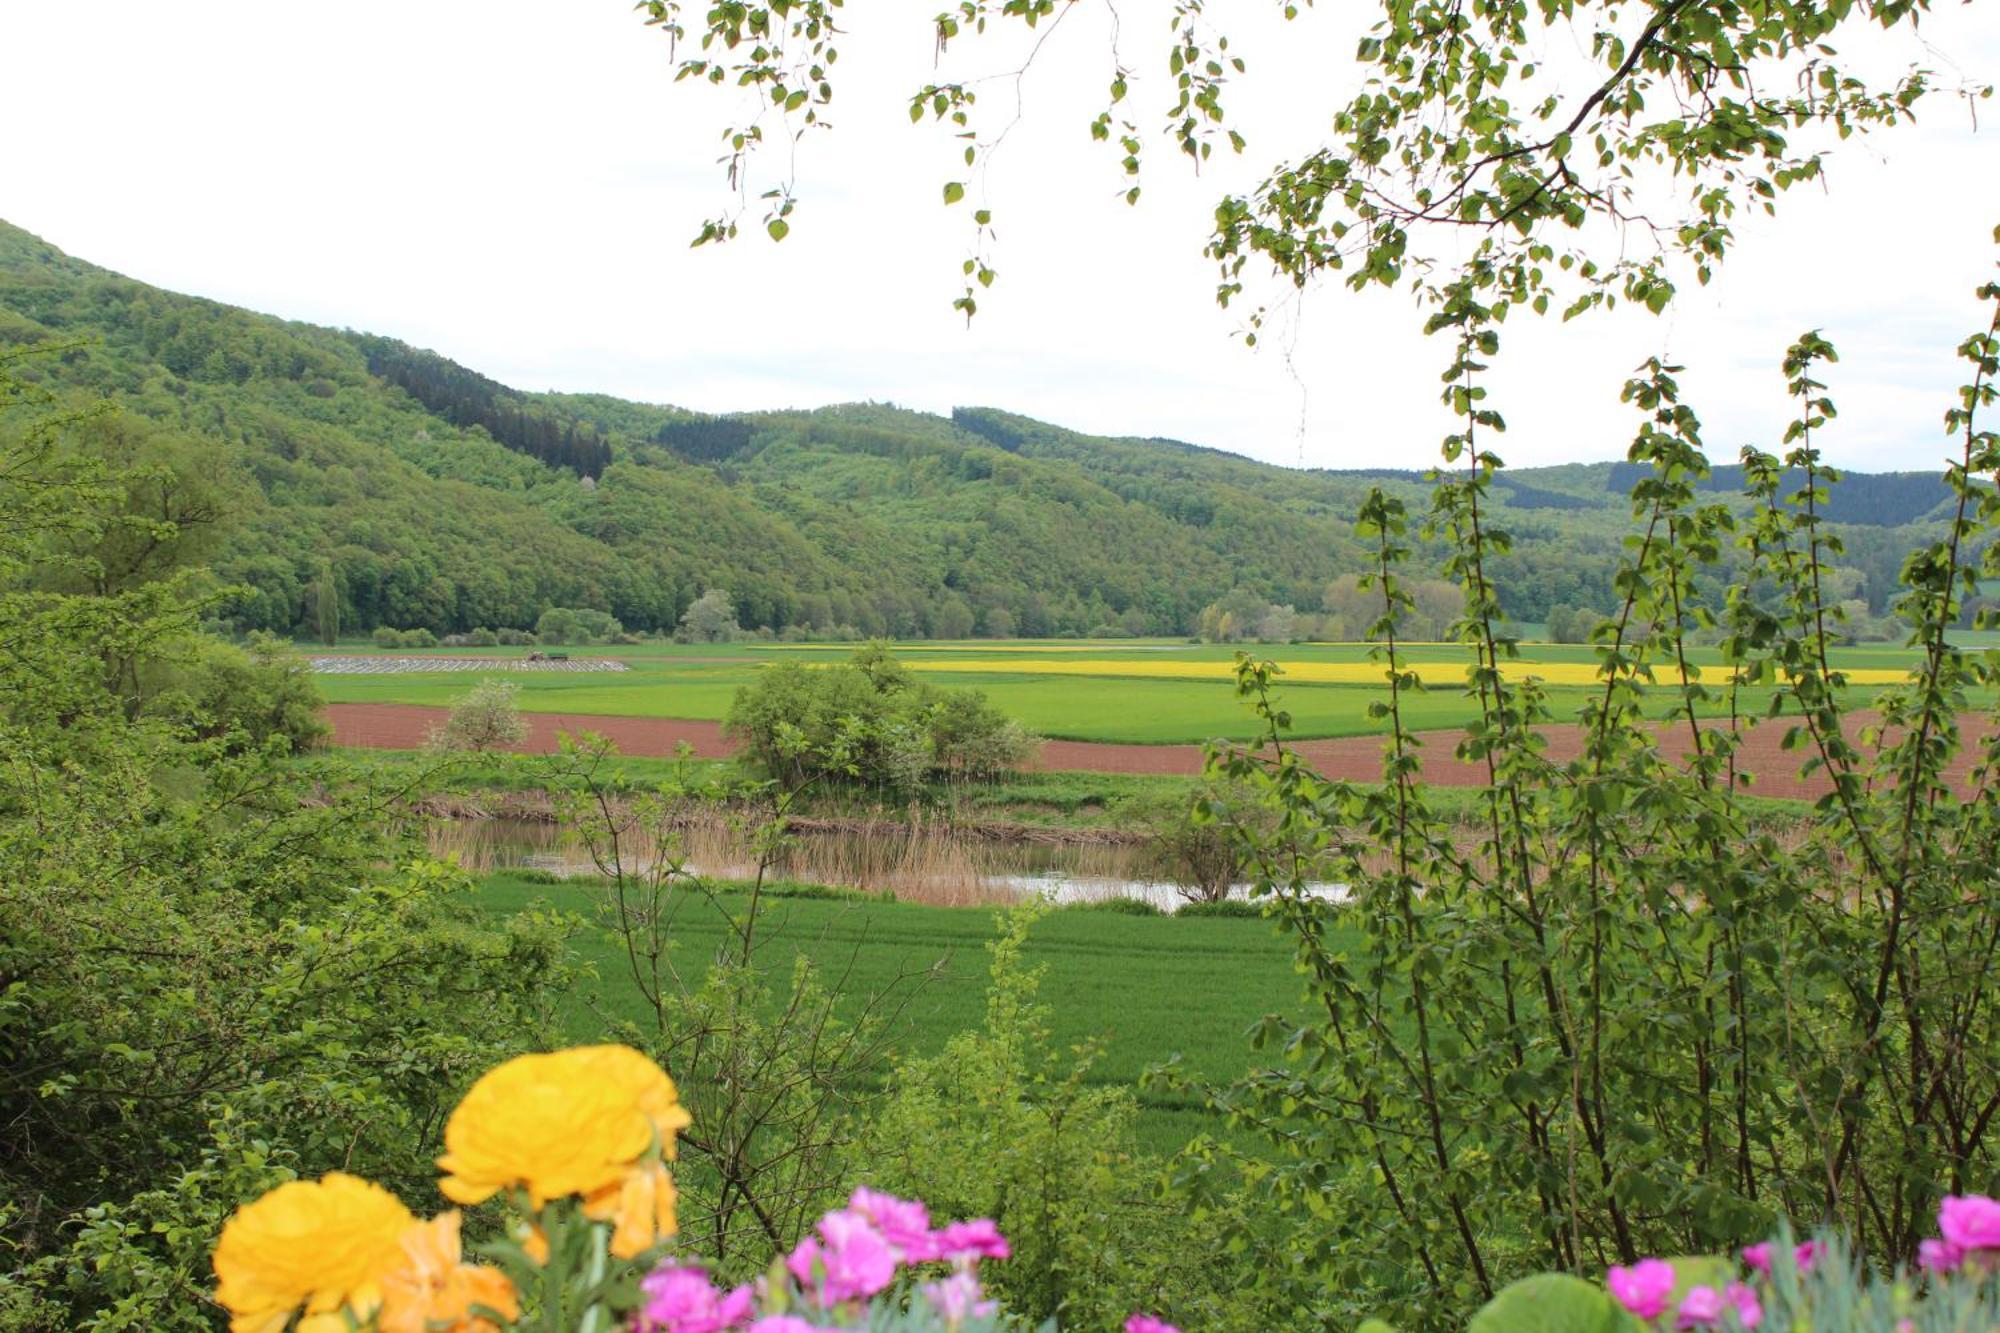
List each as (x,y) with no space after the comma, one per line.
(596,1122)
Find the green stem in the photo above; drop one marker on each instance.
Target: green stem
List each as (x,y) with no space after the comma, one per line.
(594,1318)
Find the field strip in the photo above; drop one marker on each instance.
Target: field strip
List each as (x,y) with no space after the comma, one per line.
(1761,751)
(371,665)
(1317,673)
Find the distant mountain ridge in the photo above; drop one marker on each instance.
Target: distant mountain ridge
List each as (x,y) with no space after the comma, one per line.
(442,498)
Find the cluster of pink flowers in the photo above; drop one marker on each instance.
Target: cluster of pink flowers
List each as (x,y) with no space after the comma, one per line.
(1969,1233)
(853,1255)
(1647,1286)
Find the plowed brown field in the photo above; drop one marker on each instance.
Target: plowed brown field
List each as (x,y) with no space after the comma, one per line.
(404,726)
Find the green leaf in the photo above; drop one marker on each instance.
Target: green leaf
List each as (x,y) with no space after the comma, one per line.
(953,192)
(1553,1303)
(779,228)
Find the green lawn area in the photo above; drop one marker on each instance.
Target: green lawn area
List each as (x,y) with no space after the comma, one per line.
(1146,987)
(1100,704)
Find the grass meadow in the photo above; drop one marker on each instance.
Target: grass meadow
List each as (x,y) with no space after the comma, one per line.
(1146,988)
(1144,691)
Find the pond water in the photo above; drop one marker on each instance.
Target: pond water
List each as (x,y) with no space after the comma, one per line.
(927,864)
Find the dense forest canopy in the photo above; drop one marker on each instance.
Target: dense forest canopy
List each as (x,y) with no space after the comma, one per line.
(440,499)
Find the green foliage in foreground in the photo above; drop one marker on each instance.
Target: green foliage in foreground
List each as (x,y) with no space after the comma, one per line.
(213,974)
(1623,1020)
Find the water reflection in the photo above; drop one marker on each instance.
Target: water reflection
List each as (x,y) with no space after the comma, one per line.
(927,864)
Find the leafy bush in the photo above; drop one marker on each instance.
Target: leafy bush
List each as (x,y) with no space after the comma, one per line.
(870,721)
(243,697)
(485,718)
(202,953)
(563,625)
(514,638)
(1118,906)
(1223,907)
(997,1125)
(1625,1018)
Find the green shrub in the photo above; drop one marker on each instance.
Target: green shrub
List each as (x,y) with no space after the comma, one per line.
(565,625)
(870,721)
(1119,906)
(1223,907)
(997,1125)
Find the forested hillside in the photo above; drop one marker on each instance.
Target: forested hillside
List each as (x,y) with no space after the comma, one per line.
(436,497)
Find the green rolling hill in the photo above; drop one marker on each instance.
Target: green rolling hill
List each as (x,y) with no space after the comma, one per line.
(444,499)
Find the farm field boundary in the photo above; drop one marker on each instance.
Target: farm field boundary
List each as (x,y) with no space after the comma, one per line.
(1354,758)
(369,664)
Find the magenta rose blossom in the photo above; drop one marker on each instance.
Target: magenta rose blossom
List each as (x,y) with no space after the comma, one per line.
(958,1298)
(1939,1257)
(1970,1222)
(1704,1307)
(1145,1323)
(849,1260)
(903,1223)
(1759,1256)
(683,1300)
(977,1239)
(1643,1288)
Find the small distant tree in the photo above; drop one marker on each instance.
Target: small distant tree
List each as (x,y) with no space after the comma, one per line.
(1000,623)
(710,619)
(576,624)
(326,605)
(953,619)
(1279,624)
(1560,624)
(487,718)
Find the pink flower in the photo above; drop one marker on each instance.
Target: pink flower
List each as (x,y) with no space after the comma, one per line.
(903,1223)
(958,1297)
(683,1300)
(1970,1222)
(1704,1307)
(1643,1288)
(1759,1256)
(977,1239)
(1749,1310)
(1145,1323)
(787,1323)
(849,1261)
(1939,1257)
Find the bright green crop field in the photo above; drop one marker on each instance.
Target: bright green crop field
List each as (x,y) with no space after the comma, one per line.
(1146,691)
(1146,988)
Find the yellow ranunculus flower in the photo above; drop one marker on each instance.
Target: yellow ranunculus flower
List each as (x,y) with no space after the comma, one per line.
(593,1121)
(640,1208)
(433,1290)
(321,1245)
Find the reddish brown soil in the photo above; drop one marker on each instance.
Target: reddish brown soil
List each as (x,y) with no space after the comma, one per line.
(1359,758)
(404,726)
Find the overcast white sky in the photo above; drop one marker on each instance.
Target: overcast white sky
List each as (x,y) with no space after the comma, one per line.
(514,183)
